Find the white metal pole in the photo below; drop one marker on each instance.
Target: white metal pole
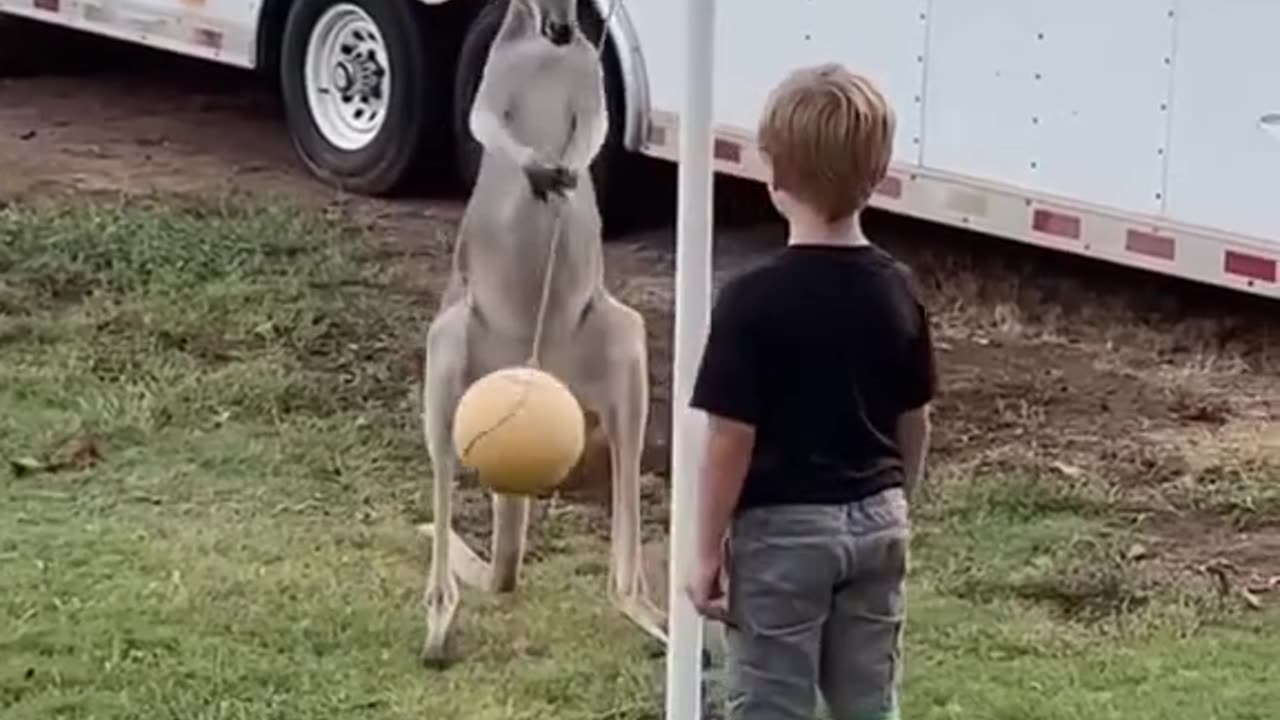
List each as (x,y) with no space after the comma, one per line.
(692,315)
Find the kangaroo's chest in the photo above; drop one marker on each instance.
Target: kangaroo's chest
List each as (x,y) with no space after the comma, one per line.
(541,110)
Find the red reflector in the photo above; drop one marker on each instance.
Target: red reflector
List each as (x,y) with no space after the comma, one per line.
(1052,223)
(1250,266)
(50,5)
(727,151)
(209,38)
(890,187)
(1145,243)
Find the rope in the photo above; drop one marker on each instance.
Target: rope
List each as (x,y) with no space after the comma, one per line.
(540,319)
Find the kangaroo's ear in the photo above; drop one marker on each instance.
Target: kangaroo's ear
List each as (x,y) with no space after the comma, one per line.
(520,21)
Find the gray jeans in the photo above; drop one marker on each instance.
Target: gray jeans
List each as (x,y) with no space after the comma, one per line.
(816,598)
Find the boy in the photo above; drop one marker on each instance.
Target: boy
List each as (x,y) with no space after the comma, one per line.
(816,379)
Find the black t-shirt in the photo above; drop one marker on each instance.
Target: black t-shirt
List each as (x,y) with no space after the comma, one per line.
(821,349)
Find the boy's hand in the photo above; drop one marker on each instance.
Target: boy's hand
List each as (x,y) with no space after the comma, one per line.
(705,588)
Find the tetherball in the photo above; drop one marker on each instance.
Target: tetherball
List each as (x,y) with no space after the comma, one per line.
(520,429)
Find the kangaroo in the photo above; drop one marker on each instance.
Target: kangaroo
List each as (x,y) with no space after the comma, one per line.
(541,117)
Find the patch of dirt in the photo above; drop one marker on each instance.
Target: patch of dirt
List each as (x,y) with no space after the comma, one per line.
(1198,540)
(1049,398)
(1070,363)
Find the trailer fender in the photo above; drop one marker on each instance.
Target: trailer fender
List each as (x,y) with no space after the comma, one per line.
(635,81)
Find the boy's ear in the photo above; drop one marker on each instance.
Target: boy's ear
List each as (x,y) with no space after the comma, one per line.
(767,162)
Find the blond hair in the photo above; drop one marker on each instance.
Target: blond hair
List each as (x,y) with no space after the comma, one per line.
(828,134)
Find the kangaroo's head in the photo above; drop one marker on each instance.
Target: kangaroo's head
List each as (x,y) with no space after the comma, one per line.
(556,20)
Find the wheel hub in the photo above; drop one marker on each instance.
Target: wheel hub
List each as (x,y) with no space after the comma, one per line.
(358,76)
(343,77)
(347,78)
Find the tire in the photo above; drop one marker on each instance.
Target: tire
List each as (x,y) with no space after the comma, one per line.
(370,153)
(471,60)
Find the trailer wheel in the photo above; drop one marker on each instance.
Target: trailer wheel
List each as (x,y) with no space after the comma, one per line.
(471,60)
(360,94)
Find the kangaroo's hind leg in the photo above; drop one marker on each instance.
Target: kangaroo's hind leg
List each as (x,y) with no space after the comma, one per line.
(510,532)
(444,379)
(613,372)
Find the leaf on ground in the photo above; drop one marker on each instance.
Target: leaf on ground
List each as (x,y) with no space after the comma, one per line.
(80,452)
(1137,551)
(26,466)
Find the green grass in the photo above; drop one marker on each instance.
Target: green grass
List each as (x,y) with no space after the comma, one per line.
(245,547)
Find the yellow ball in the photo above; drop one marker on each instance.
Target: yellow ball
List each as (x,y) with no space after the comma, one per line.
(520,429)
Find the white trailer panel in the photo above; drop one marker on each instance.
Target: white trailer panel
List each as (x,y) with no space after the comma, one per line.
(220,30)
(758,42)
(1224,163)
(1120,131)
(1065,98)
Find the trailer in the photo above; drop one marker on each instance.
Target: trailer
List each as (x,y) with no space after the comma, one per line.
(1144,133)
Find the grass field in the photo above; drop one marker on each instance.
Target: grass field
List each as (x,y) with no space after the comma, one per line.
(214,479)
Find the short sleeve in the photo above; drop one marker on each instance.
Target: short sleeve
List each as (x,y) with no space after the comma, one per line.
(920,379)
(727,384)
